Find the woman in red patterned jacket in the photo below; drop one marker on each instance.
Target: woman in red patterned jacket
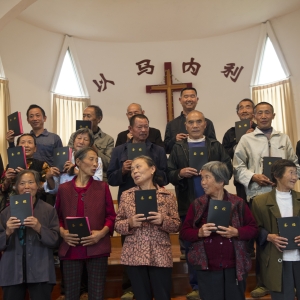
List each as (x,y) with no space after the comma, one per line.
(147,248)
(219,254)
(85,197)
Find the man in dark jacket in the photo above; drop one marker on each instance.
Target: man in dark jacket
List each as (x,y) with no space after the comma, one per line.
(124,136)
(175,130)
(187,180)
(245,111)
(119,171)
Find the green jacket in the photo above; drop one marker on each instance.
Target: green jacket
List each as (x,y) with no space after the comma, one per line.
(265,211)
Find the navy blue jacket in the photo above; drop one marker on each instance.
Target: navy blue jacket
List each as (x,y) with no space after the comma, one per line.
(119,156)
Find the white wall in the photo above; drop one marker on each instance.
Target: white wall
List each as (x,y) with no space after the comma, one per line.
(29,57)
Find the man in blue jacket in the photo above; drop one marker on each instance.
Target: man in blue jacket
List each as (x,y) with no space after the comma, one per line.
(119,170)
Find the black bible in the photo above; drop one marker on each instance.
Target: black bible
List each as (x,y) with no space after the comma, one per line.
(145,201)
(15,123)
(16,157)
(83,124)
(219,212)
(61,156)
(21,206)
(135,149)
(267,164)
(241,128)
(289,227)
(79,225)
(197,157)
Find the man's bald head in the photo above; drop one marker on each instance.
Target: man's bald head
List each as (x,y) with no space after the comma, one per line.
(195,124)
(134,109)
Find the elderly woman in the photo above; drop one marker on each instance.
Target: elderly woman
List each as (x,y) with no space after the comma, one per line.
(219,254)
(28,141)
(279,268)
(85,197)
(27,261)
(147,249)
(83,138)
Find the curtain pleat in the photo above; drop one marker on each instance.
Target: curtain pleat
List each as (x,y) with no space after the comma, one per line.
(280,96)
(4,112)
(66,110)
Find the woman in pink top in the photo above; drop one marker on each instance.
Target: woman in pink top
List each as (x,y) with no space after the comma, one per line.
(147,248)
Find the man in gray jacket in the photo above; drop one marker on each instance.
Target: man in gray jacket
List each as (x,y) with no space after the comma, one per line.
(248,157)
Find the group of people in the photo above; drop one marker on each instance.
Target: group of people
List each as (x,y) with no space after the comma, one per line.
(218,257)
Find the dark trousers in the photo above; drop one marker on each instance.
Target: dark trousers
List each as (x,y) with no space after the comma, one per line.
(290,281)
(221,285)
(84,280)
(37,291)
(72,272)
(259,282)
(145,277)
(192,272)
(126,283)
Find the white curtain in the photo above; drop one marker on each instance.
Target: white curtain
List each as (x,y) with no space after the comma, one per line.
(4,112)
(280,96)
(65,111)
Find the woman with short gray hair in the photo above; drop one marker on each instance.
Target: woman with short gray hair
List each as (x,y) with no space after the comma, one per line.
(27,262)
(219,171)
(218,253)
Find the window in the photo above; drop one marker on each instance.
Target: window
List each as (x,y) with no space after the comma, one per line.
(270,69)
(68,82)
(69,93)
(2,75)
(270,82)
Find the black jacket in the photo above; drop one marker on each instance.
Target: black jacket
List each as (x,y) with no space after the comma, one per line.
(298,151)
(178,126)
(179,159)
(154,137)
(119,156)
(229,142)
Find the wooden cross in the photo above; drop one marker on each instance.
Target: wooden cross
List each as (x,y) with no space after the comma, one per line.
(169,87)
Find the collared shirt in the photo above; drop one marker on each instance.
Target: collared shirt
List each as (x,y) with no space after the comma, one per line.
(104,144)
(46,142)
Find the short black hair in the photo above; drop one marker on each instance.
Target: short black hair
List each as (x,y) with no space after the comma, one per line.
(32,106)
(36,176)
(26,134)
(98,111)
(246,99)
(138,116)
(264,103)
(188,89)
(278,168)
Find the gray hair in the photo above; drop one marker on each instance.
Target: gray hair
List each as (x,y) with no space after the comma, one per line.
(35,174)
(80,154)
(83,131)
(219,170)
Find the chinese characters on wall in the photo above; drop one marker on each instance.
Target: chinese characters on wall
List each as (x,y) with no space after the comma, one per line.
(144,66)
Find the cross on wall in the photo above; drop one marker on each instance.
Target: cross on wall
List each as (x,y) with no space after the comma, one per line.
(168,87)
